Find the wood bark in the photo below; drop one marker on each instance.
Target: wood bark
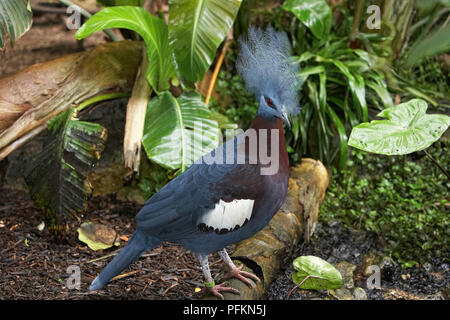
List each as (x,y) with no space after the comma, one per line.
(266,251)
(31,97)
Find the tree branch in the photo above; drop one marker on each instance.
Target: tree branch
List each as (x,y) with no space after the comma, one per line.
(437,164)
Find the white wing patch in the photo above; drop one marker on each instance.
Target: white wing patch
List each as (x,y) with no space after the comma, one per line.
(227,216)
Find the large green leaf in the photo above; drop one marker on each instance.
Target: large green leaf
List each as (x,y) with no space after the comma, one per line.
(57,176)
(178,131)
(15,19)
(408,129)
(196,29)
(315,14)
(153,30)
(321,274)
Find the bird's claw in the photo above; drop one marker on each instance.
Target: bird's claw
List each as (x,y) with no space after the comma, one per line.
(241,275)
(216,289)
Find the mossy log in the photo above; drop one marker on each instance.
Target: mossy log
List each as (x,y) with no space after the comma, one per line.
(31,97)
(294,222)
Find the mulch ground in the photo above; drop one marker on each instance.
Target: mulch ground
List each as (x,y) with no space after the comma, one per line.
(335,243)
(33,265)
(36,265)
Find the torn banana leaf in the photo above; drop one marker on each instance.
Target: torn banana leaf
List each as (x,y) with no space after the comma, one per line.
(15,19)
(57,176)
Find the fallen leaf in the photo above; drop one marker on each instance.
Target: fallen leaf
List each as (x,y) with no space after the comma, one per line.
(97,236)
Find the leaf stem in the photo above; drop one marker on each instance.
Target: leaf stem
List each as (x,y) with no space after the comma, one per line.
(357,19)
(437,164)
(216,70)
(108,96)
(298,286)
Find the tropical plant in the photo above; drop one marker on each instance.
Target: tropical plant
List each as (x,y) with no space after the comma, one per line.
(192,36)
(339,83)
(431,33)
(57,176)
(178,52)
(422,68)
(408,129)
(15,19)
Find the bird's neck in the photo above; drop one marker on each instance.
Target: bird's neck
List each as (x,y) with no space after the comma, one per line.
(266,131)
(267,123)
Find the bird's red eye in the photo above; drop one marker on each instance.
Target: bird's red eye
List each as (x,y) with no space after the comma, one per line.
(269,102)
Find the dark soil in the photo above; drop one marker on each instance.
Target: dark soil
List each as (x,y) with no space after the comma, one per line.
(335,243)
(33,265)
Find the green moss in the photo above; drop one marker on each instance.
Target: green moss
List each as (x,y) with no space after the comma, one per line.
(403,199)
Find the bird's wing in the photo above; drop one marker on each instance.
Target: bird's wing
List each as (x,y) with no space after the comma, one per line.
(235,197)
(206,197)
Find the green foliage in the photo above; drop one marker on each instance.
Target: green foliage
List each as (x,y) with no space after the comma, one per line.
(152,29)
(426,6)
(316,274)
(235,102)
(57,176)
(403,199)
(186,47)
(431,78)
(196,29)
(178,131)
(435,43)
(153,179)
(315,14)
(339,81)
(408,129)
(422,70)
(15,19)
(341,85)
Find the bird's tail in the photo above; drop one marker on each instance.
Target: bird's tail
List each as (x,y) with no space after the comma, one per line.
(137,245)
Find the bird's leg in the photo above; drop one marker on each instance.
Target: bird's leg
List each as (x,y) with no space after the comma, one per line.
(236,272)
(209,283)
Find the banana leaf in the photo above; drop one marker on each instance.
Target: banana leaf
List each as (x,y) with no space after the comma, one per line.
(15,19)
(315,14)
(196,29)
(178,131)
(153,30)
(57,176)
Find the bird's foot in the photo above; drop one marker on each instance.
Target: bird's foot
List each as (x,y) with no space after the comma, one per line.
(241,275)
(215,289)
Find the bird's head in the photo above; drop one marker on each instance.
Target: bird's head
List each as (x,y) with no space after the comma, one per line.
(265,64)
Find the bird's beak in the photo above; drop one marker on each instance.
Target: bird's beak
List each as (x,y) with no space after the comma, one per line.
(286,120)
